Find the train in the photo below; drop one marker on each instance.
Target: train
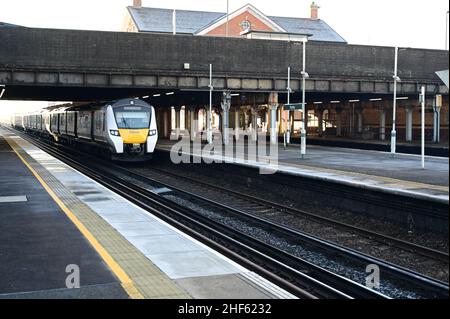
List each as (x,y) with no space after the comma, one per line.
(121,130)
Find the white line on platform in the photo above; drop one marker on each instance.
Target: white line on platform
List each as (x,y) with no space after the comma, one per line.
(13,199)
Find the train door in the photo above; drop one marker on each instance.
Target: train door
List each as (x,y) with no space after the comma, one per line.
(99,126)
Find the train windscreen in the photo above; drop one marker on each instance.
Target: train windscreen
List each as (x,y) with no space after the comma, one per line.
(132,117)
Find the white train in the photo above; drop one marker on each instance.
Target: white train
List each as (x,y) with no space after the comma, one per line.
(123,130)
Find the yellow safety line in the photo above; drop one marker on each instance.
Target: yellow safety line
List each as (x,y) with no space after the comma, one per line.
(125,281)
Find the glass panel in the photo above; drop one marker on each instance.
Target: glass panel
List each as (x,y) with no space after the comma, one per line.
(132,117)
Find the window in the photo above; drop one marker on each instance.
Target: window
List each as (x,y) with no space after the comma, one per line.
(132,117)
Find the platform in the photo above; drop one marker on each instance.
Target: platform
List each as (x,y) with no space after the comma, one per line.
(52,216)
(373,170)
(432,149)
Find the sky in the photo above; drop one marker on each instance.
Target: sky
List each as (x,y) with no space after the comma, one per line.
(408,23)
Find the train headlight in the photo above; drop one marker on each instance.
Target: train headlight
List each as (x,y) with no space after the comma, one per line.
(114,132)
(152,132)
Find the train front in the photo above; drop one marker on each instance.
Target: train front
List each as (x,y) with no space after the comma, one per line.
(132,130)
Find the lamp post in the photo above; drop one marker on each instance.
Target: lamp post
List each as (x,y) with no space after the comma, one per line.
(211,88)
(305,76)
(289,91)
(394,111)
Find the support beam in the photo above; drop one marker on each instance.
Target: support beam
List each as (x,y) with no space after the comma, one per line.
(338,121)
(237,123)
(409,123)
(382,124)
(177,120)
(166,120)
(360,119)
(273,123)
(254,123)
(319,113)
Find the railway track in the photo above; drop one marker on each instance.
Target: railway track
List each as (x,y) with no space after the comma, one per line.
(263,207)
(226,229)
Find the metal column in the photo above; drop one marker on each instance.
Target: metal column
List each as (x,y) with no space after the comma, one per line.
(226,104)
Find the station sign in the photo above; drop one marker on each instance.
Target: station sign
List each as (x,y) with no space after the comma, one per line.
(293,107)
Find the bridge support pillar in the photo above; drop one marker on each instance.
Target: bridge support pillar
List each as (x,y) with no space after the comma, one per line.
(177,120)
(166,123)
(273,102)
(254,124)
(193,118)
(273,123)
(187,117)
(226,104)
(409,123)
(237,124)
(319,114)
(338,121)
(359,114)
(382,124)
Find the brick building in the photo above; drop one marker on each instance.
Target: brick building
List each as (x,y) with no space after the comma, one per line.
(236,24)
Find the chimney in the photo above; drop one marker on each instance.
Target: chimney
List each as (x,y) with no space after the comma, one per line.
(137,3)
(314,11)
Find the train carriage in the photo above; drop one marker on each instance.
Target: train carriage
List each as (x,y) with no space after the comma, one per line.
(125,130)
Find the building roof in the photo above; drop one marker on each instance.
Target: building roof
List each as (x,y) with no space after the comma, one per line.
(160,20)
(319,29)
(8,25)
(191,22)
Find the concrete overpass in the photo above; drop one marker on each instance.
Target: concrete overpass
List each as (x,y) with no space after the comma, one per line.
(350,86)
(51,64)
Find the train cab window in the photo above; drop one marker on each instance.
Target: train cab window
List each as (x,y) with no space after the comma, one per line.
(132,117)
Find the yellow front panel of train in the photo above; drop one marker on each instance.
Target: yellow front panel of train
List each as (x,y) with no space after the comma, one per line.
(134,136)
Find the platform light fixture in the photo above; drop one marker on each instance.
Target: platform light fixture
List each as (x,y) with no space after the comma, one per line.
(318,102)
(156,95)
(374,100)
(170,93)
(353,101)
(146,97)
(235,94)
(335,102)
(403,98)
(2,90)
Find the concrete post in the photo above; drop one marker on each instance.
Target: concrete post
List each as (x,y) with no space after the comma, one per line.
(382,124)
(193,119)
(319,113)
(338,122)
(187,118)
(166,122)
(273,105)
(409,123)
(359,112)
(177,120)
(254,124)
(273,123)
(237,124)
(226,104)
(280,120)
